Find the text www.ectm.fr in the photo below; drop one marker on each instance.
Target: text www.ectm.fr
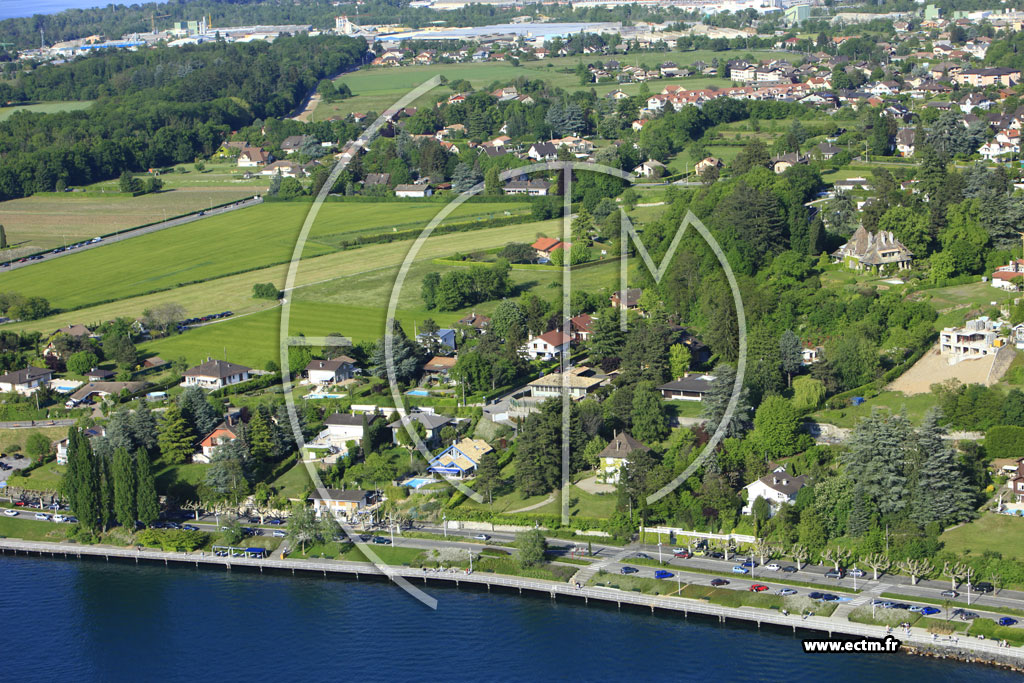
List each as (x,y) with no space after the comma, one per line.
(887,644)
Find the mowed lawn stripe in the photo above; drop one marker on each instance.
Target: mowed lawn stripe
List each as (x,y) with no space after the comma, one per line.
(221,245)
(235,292)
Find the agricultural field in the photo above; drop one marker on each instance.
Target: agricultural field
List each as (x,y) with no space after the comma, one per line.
(377,88)
(51,220)
(236,242)
(44,108)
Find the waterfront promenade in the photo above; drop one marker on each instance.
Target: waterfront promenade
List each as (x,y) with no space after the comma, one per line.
(962,647)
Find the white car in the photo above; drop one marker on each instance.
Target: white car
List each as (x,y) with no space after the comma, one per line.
(11,513)
(60,518)
(772,567)
(279,534)
(43,516)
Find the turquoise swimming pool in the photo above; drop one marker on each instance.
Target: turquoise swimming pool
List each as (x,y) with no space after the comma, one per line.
(417,392)
(417,482)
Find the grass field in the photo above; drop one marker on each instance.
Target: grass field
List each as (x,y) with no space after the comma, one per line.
(45,478)
(895,401)
(30,529)
(292,483)
(242,240)
(44,108)
(48,221)
(377,88)
(999,533)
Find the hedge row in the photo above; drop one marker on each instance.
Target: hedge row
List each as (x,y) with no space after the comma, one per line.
(260,382)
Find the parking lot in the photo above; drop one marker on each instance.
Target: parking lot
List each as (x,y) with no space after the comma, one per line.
(11,464)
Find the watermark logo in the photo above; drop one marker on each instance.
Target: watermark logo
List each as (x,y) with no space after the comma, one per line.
(628,235)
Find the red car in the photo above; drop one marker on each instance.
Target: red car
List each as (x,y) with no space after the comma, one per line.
(758,587)
(20,504)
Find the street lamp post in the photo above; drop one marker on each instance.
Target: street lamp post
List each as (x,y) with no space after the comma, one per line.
(659,553)
(444,524)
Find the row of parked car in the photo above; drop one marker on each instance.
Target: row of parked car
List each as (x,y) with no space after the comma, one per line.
(204,319)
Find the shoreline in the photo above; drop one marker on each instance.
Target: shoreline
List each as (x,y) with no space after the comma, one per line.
(918,642)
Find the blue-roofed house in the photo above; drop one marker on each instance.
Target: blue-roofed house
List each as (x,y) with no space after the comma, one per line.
(444,337)
(460,459)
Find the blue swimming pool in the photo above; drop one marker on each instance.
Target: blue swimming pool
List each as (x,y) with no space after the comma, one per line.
(418,482)
(417,392)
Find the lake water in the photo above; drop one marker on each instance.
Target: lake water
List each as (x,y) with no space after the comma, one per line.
(86,620)
(23,8)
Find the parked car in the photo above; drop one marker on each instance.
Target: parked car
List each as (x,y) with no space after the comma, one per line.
(815,595)
(772,567)
(789,569)
(916,608)
(11,513)
(43,516)
(787,591)
(643,556)
(750,564)
(279,533)
(1007,621)
(382,540)
(829,597)
(190,527)
(60,518)
(663,574)
(857,572)
(628,570)
(737,569)
(949,594)
(984,587)
(717,555)
(927,611)
(758,588)
(719,582)
(682,553)
(901,605)
(968,616)
(834,574)
(482,537)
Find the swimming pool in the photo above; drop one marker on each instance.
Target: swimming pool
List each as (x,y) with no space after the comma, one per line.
(417,392)
(417,482)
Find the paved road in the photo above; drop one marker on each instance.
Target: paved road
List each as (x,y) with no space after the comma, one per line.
(27,424)
(174,222)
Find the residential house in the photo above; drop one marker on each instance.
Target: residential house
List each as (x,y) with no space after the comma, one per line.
(294,143)
(252,157)
(344,427)
(216,374)
(76,331)
(576,383)
(975,100)
(690,387)
(810,355)
(630,301)
(976,339)
(443,339)
(826,151)
(1016,482)
(413,191)
(332,371)
(479,323)
(581,327)
(542,151)
(230,148)
(98,375)
(781,162)
(62,445)
(616,455)
(777,487)
(439,367)
(880,252)
(706,163)
(222,433)
(852,184)
(905,139)
(547,346)
(341,504)
(534,188)
(1004,276)
(432,424)
(652,168)
(460,459)
(982,78)
(25,381)
(286,169)
(546,245)
(85,393)
(377,179)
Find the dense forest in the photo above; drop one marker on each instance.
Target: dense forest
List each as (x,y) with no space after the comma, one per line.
(158,107)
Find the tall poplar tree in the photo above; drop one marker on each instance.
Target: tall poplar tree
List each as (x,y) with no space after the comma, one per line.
(146,501)
(125,503)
